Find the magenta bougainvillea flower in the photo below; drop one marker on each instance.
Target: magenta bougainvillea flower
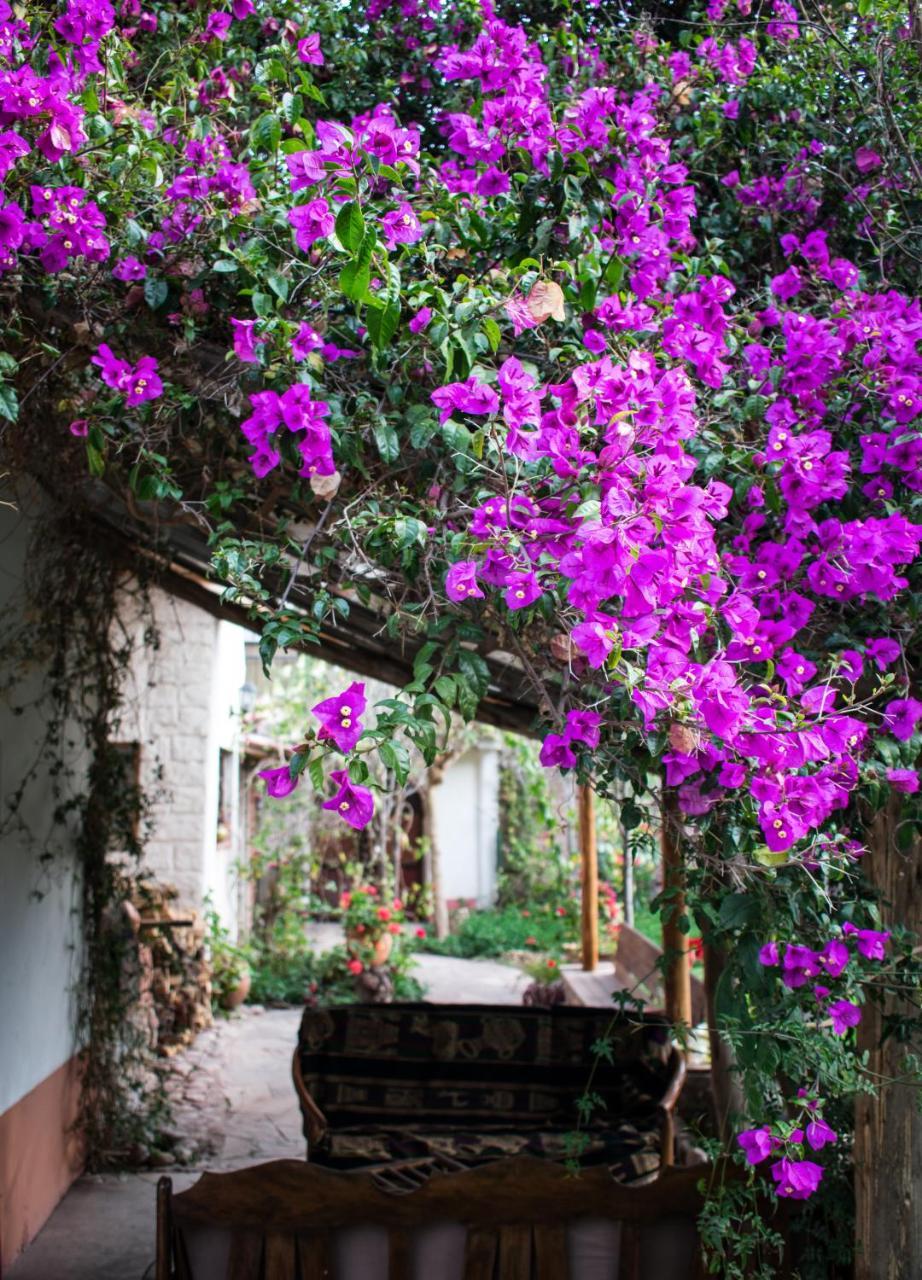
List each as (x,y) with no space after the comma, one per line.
(461,581)
(556,751)
(245,340)
(818,1134)
(279,782)
(312,221)
(354,804)
(844,1014)
(137,383)
(796,1179)
(471,396)
(757,1144)
(309,50)
(129,269)
(872,944)
(340,716)
(901,717)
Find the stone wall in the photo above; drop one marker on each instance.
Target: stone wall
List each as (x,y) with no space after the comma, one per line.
(182,697)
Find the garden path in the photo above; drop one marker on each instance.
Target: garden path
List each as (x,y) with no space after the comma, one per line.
(235,1099)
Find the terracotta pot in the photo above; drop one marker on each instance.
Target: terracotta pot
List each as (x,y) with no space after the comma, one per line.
(234,998)
(381,951)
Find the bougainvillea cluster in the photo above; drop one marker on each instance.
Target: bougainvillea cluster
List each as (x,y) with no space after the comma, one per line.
(512,331)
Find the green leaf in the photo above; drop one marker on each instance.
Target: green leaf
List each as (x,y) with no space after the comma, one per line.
(354,280)
(95,460)
(9,402)
(350,227)
(468,700)
(278,284)
(224,265)
(423,429)
(446,688)
(315,769)
(409,531)
(267,650)
(382,323)
(292,107)
(395,756)
(474,668)
(737,910)
(492,330)
(155,292)
(266,132)
(386,440)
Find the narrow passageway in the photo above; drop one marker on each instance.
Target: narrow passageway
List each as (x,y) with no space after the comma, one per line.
(237,1102)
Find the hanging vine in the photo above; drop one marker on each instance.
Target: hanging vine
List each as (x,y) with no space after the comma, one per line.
(69,627)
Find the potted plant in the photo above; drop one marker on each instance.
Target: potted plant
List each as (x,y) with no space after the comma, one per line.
(371,924)
(546,987)
(230,971)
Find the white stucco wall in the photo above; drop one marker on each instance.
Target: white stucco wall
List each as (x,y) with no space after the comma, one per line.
(39,920)
(182,695)
(466,809)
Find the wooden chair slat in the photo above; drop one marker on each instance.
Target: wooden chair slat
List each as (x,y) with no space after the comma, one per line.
(314,1252)
(164,1228)
(551,1261)
(399,1255)
(246,1255)
(181,1259)
(281,1257)
(515,1252)
(629,1262)
(480,1254)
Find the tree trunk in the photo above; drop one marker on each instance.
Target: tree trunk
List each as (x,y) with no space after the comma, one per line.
(439,908)
(725,1086)
(589,875)
(888,1128)
(676,974)
(628,877)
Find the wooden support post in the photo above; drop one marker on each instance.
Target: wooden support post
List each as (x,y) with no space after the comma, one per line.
(677,976)
(589,863)
(888,1128)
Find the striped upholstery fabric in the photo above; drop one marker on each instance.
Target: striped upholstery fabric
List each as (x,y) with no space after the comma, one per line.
(481,1082)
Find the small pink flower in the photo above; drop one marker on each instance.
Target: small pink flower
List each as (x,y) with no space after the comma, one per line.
(309,50)
(279,782)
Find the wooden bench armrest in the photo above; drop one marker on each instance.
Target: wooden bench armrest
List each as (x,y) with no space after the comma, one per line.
(315,1122)
(667,1105)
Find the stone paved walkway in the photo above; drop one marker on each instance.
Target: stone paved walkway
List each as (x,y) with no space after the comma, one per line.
(236,1100)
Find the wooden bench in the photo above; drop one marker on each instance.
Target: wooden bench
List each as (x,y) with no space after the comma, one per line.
(469,1084)
(634,967)
(516,1219)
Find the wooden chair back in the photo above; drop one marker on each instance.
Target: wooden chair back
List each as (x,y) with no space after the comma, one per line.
(282,1220)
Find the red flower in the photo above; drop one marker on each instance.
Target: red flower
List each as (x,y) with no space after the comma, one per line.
(384,913)
(531,942)
(393,927)
(552,964)
(354,966)
(420,933)
(525,915)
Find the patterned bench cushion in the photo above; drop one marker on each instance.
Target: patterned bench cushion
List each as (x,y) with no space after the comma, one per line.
(630,1152)
(477,1067)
